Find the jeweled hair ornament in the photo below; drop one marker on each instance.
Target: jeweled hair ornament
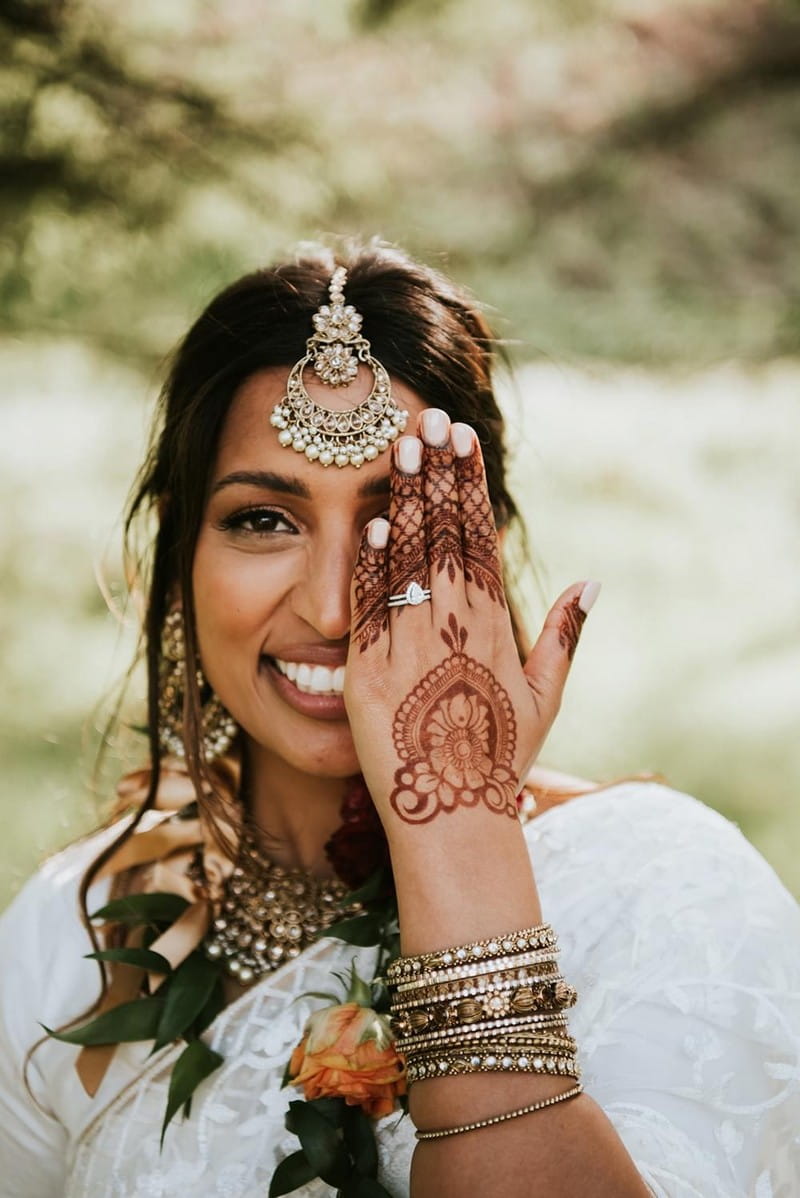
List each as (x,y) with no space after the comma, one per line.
(334,351)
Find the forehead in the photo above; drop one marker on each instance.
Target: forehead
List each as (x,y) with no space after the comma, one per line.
(249,441)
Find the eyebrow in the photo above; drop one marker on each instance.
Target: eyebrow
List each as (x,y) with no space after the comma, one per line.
(290,484)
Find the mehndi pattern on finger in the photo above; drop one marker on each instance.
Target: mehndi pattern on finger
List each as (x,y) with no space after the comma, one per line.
(443,521)
(482,565)
(407,556)
(371,615)
(569,630)
(456,735)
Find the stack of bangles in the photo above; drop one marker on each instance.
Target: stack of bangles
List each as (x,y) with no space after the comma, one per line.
(494,1006)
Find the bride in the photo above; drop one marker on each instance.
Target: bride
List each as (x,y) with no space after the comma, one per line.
(345,936)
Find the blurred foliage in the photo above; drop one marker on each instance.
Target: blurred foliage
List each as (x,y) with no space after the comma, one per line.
(620,180)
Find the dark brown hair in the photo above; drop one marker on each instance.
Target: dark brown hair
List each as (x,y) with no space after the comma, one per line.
(426,331)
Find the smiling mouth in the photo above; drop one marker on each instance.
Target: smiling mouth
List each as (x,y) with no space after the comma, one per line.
(311,679)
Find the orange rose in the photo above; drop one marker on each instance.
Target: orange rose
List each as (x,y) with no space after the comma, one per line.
(347,1051)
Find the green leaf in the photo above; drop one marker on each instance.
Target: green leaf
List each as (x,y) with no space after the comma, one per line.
(321,1143)
(363,1187)
(214,1004)
(361,930)
(292,1172)
(186,994)
(359,1136)
(141,957)
(335,999)
(375,887)
(358,990)
(143,908)
(137,1020)
(194,1064)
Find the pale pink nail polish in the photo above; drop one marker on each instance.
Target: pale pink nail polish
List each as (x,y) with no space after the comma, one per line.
(435,426)
(588,596)
(409,454)
(462,439)
(378,533)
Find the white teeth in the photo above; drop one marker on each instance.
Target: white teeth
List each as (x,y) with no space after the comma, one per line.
(313,680)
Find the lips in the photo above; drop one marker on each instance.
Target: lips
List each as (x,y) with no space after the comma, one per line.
(324,704)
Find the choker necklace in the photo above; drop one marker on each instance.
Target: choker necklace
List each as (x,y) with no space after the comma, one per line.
(269,914)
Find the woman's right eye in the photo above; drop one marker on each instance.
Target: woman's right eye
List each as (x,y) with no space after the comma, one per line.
(257,521)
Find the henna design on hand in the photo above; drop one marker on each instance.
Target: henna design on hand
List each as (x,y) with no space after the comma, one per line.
(407,558)
(569,630)
(455,734)
(482,565)
(371,615)
(442,519)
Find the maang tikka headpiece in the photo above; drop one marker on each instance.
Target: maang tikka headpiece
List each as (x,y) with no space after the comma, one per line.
(334,350)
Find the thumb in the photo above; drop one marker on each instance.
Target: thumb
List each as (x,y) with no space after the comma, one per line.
(548,662)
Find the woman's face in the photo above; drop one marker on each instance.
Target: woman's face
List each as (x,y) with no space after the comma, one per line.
(272,573)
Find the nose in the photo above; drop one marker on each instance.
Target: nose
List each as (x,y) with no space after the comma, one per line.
(322,597)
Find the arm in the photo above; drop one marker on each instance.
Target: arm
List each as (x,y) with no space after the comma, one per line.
(432,672)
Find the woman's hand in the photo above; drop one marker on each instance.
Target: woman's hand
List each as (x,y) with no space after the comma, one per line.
(442,713)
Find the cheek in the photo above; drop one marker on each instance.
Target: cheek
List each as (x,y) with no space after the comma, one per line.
(234,594)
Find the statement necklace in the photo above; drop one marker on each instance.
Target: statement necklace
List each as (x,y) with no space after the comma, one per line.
(269,914)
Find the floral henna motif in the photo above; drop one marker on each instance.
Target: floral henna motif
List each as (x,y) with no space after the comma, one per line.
(455,734)
(442,515)
(371,616)
(481,556)
(569,630)
(407,560)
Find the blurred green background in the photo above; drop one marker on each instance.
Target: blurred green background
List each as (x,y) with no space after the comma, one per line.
(617,181)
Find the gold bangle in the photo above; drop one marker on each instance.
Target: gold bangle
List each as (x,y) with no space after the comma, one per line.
(510,979)
(551,996)
(429,1066)
(524,1025)
(484,969)
(441,1132)
(540,936)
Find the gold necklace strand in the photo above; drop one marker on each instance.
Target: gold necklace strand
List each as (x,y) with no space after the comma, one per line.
(540,936)
(441,1132)
(269,914)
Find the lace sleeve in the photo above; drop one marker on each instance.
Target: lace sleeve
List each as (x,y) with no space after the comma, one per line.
(685,949)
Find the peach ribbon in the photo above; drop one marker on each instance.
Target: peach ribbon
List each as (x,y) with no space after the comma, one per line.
(167,847)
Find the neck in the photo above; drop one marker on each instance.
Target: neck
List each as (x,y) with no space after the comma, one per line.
(294,813)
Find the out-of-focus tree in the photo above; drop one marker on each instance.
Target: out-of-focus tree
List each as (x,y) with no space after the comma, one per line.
(620,179)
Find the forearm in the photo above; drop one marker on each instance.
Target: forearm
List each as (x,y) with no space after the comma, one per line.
(462,878)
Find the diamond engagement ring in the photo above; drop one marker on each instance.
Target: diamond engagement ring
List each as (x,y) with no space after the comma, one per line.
(413,595)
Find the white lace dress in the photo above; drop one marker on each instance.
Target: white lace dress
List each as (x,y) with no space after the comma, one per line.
(681,941)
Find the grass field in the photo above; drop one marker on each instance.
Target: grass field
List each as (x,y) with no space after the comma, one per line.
(680,492)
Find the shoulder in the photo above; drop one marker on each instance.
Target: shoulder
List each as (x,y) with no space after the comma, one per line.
(643,857)
(43,941)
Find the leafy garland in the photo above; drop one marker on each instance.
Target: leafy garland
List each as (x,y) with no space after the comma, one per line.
(336,1134)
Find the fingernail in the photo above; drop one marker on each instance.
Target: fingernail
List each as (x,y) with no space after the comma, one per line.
(462,439)
(588,596)
(435,426)
(409,454)
(378,533)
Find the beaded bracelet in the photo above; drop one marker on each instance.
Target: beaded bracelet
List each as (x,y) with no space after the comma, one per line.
(459,973)
(551,997)
(440,1133)
(453,991)
(461,1035)
(540,936)
(454,1064)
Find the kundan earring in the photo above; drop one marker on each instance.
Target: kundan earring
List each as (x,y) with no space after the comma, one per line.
(219,729)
